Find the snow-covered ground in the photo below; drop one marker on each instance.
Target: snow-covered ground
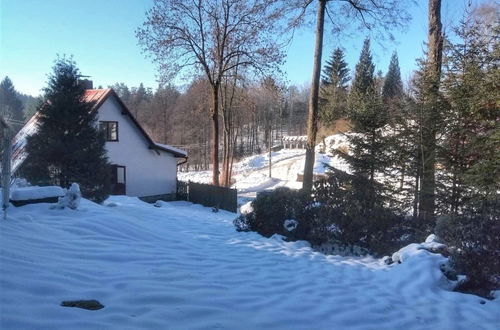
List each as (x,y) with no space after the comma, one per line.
(181,266)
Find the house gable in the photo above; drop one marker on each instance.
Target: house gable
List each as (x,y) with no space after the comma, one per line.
(149,171)
(99,96)
(151,168)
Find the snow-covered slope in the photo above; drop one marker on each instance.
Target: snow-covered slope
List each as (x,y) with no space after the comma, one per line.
(181,266)
(252,173)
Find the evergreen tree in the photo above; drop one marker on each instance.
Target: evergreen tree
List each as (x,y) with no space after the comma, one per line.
(334,88)
(363,84)
(123,92)
(428,107)
(368,117)
(469,150)
(393,94)
(336,71)
(67,146)
(30,104)
(405,151)
(140,102)
(400,138)
(11,106)
(468,178)
(393,86)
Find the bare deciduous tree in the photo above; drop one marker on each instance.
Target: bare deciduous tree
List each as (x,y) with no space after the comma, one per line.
(214,37)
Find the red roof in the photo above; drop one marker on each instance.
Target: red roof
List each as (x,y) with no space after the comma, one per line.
(96,96)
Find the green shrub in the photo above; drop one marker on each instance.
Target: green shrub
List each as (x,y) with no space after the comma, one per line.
(354,214)
(271,210)
(474,243)
(345,211)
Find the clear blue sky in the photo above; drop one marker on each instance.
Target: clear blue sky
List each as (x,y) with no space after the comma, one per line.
(100,34)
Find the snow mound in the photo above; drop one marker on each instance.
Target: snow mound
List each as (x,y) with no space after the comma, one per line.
(421,264)
(71,199)
(431,244)
(334,142)
(28,193)
(246,208)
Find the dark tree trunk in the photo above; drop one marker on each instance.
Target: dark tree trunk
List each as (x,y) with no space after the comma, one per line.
(416,192)
(372,156)
(428,181)
(312,118)
(215,134)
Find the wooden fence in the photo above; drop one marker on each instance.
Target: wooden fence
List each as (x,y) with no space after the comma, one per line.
(208,195)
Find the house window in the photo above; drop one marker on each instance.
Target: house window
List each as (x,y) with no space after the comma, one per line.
(110,129)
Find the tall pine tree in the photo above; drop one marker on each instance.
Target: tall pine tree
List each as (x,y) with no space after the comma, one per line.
(400,138)
(368,116)
(393,86)
(11,106)
(470,173)
(334,88)
(67,146)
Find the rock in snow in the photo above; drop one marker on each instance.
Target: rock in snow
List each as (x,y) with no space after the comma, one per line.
(92,304)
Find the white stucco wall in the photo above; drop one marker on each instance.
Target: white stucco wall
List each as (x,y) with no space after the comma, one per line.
(147,173)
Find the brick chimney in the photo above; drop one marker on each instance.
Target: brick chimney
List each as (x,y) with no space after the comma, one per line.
(86,83)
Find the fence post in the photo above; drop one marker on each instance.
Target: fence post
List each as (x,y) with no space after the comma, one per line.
(7,145)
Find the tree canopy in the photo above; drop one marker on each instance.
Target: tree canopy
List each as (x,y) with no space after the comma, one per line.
(214,37)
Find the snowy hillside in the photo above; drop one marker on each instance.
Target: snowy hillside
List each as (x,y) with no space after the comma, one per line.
(252,173)
(181,266)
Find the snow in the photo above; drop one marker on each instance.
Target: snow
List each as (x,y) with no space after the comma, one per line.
(290,224)
(35,192)
(174,149)
(181,266)
(71,198)
(252,173)
(246,208)
(432,243)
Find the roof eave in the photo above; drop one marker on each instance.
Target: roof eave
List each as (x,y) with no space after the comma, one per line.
(175,153)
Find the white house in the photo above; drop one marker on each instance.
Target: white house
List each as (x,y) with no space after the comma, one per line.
(140,166)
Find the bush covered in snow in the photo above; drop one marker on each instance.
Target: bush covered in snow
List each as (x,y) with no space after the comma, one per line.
(71,198)
(474,244)
(337,212)
(352,214)
(273,212)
